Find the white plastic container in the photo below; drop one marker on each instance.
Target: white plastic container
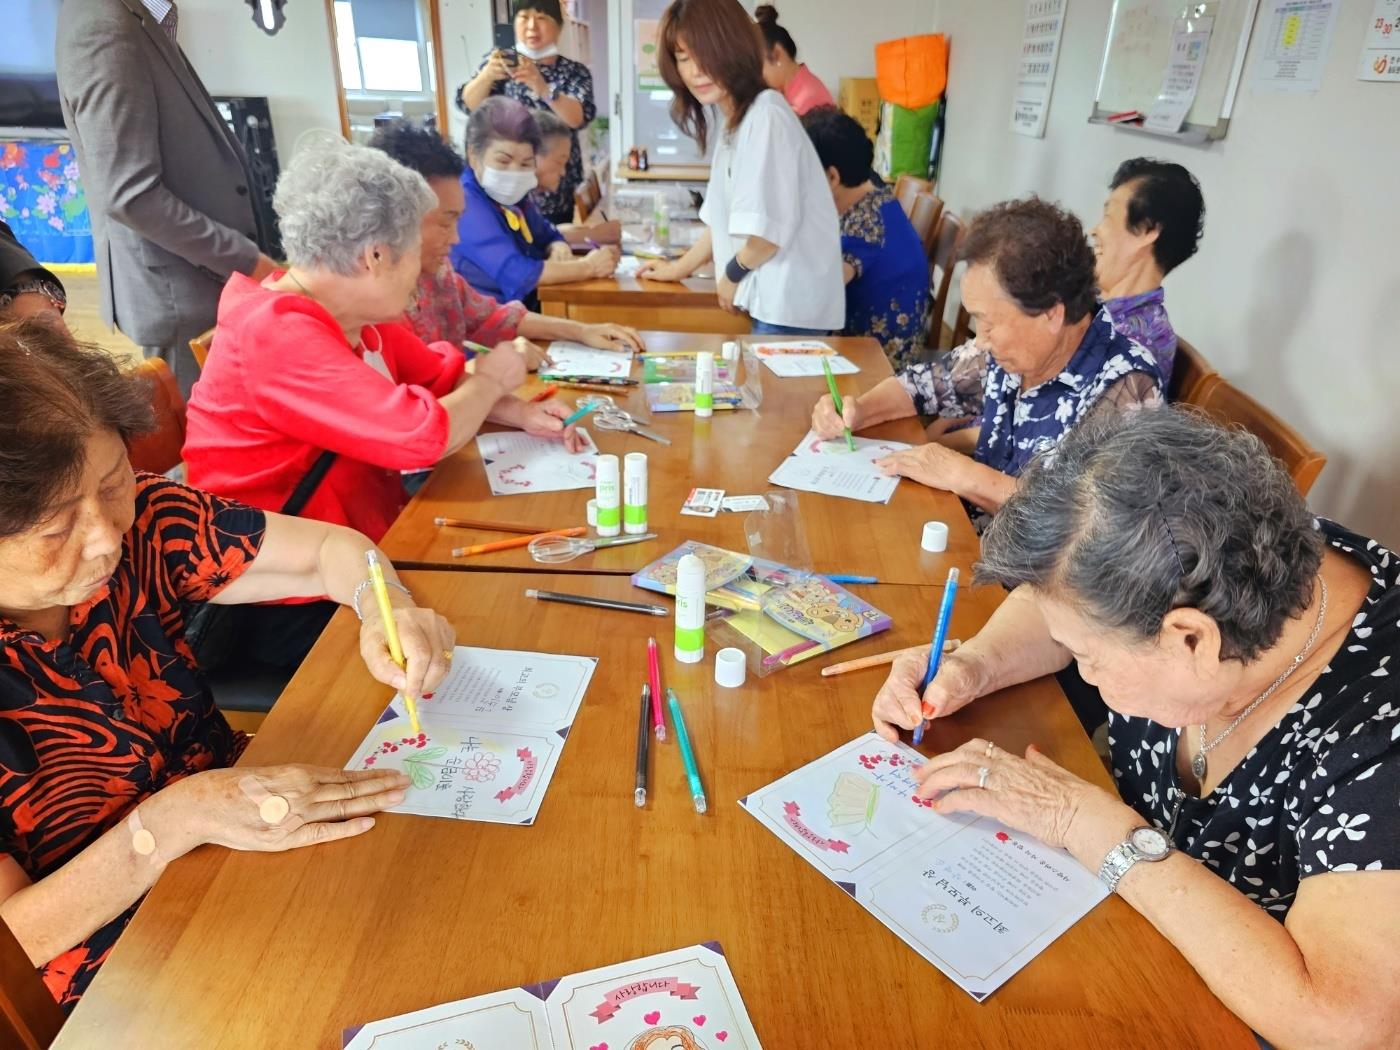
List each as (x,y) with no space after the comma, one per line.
(690,610)
(705,384)
(609,497)
(634,493)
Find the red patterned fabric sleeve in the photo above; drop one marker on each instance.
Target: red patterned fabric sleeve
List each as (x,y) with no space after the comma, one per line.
(204,542)
(489,322)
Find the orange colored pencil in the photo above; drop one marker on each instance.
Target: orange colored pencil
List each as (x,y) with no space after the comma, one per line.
(518,541)
(487,526)
(879,659)
(546,393)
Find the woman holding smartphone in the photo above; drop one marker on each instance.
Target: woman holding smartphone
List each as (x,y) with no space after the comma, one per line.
(771,226)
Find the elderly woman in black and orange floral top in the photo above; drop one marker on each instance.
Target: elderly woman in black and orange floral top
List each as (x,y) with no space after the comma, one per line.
(113,757)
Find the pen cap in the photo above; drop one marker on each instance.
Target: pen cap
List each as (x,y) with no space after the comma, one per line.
(634,493)
(935,537)
(704,383)
(608,496)
(690,609)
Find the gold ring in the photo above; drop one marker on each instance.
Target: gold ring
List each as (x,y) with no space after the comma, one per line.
(447,655)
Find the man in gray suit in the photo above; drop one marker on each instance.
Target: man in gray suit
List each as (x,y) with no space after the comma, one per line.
(167,184)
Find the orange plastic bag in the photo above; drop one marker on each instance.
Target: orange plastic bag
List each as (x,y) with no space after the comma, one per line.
(912,71)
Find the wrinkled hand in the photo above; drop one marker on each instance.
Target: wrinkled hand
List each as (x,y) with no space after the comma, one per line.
(546,419)
(602,261)
(535,356)
(612,337)
(497,67)
(1031,794)
(506,364)
(324,804)
(959,681)
(662,270)
(828,425)
(426,638)
(725,291)
(527,72)
(933,465)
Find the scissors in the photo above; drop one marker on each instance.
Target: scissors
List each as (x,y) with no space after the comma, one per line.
(609,416)
(556,548)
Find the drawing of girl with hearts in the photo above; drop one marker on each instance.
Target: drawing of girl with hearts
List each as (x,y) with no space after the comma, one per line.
(673,1037)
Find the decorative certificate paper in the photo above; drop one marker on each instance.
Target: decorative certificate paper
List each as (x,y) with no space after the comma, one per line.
(681,999)
(831,468)
(575,359)
(517,462)
(792,366)
(491,735)
(971,896)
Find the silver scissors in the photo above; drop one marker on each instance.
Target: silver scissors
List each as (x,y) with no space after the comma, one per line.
(610,416)
(554,549)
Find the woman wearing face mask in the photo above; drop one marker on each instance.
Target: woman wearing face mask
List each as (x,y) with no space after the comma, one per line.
(538,76)
(771,225)
(508,248)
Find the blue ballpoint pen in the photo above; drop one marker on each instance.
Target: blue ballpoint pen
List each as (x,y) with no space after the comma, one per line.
(935,655)
(692,771)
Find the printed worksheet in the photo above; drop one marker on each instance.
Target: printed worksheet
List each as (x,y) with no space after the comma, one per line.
(970,895)
(628,266)
(781,347)
(490,736)
(575,359)
(796,366)
(680,1000)
(831,468)
(517,462)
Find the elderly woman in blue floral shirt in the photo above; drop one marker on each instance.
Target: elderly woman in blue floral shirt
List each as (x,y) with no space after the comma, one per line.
(1055,359)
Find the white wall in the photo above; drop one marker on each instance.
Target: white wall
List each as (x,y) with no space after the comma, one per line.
(1294,293)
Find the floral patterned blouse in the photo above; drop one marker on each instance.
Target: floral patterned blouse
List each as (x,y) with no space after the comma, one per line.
(91,726)
(447,309)
(1143,319)
(564,77)
(888,296)
(1318,792)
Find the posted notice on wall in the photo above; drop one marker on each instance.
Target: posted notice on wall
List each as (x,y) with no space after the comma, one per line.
(1380,51)
(1296,35)
(1187,58)
(1035,73)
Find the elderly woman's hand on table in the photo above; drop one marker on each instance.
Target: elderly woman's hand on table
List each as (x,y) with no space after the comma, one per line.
(933,465)
(608,336)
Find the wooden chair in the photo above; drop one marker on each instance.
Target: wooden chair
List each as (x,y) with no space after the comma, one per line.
(587,197)
(942,259)
(1228,404)
(29,1017)
(906,188)
(1190,372)
(163,448)
(928,210)
(962,327)
(199,346)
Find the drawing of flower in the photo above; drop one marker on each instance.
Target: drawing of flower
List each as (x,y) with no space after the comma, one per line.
(482,766)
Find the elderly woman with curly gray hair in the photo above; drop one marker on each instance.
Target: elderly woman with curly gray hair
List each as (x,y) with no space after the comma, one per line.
(1244,651)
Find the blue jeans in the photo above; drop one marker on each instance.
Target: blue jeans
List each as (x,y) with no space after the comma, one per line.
(764,328)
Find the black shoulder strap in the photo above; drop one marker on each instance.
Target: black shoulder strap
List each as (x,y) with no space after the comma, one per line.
(297,501)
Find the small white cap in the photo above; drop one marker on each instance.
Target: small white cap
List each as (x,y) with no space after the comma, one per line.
(592,513)
(730,668)
(935,537)
(730,350)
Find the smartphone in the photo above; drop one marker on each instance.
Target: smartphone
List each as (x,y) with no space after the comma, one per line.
(503,39)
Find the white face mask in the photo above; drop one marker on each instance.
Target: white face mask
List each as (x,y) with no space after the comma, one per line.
(507,187)
(534,55)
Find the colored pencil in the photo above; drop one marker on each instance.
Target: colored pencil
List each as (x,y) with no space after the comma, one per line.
(658,717)
(639,793)
(879,659)
(518,541)
(487,526)
(836,401)
(391,631)
(935,653)
(577,414)
(546,393)
(692,771)
(836,577)
(597,603)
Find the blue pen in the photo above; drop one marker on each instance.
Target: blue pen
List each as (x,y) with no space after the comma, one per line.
(835,577)
(574,417)
(935,654)
(692,771)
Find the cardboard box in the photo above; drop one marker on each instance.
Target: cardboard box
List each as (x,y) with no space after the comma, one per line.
(860,98)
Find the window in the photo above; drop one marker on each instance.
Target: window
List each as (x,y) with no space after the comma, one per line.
(382,47)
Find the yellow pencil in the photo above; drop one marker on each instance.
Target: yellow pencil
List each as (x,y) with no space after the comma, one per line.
(391,631)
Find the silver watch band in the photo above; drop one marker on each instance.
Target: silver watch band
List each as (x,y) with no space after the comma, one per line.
(1120,858)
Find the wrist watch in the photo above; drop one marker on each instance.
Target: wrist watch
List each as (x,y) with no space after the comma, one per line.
(1144,843)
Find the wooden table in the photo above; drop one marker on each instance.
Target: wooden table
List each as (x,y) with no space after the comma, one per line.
(687,306)
(283,950)
(733,450)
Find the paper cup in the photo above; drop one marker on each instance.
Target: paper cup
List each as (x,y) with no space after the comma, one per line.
(935,537)
(730,668)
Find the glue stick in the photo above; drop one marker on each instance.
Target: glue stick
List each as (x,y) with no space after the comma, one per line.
(634,493)
(609,502)
(690,610)
(704,384)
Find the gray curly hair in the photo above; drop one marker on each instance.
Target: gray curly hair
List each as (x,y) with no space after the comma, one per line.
(1137,514)
(335,200)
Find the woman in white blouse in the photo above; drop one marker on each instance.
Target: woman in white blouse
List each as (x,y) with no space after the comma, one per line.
(771,226)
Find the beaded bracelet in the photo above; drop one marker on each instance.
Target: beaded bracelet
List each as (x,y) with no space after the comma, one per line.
(355,601)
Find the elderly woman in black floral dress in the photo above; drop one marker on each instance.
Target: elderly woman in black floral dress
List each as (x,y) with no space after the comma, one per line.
(541,78)
(1246,653)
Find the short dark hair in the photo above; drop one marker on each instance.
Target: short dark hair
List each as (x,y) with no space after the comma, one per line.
(841,143)
(57,394)
(551,125)
(724,42)
(1039,254)
(766,15)
(501,119)
(419,149)
(1166,198)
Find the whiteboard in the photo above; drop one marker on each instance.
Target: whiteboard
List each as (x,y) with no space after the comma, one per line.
(1135,55)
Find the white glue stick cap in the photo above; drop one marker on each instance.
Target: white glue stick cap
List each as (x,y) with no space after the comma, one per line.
(730,668)
(935,537)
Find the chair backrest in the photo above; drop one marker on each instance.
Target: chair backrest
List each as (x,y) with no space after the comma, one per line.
(906,188)
(29,1017)
(163,447)
(1228,404)
(587,197)
(1190,371)
(199,346)
(942,259)
(928,210)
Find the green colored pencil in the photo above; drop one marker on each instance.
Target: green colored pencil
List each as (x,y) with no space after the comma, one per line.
(836,401)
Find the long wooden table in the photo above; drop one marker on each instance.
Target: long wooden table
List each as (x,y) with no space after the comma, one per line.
(685,306)
(284,950)
(733,450)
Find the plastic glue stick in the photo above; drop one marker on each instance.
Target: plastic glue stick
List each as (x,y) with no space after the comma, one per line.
(704,384)
(634,493)
(690,610)
(609,498)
